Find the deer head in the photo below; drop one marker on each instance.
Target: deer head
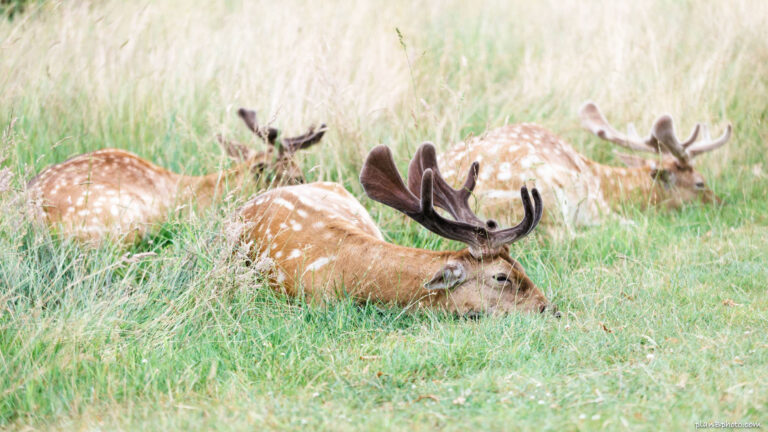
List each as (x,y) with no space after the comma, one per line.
(677,180)
(481,278)
(276,165)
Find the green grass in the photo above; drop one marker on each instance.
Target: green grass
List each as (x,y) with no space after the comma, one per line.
(664,322)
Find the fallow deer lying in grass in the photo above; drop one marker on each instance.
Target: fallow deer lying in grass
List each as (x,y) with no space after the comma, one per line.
(323,240)
(584,191)
(114,193)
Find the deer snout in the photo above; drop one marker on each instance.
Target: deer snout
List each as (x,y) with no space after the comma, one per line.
(551,308)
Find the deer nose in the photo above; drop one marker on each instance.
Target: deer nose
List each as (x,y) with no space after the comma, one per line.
(552,309)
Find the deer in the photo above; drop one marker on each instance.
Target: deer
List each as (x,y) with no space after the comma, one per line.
(113,193)
(322,243)
(585,192)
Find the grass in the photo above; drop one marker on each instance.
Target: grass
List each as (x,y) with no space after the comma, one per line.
(664,321)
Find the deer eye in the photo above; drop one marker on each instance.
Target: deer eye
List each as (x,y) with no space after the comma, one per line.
(501,278)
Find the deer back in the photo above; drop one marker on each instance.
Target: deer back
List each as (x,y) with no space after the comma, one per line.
(310,232)
(106,191)
(517,154)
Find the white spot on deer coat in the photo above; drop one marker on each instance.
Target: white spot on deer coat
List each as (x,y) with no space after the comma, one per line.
(316,264)
(294,254)
(505,172)
(287,204)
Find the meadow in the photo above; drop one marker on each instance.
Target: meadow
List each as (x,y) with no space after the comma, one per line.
(664,321)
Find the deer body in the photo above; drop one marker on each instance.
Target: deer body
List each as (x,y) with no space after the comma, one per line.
(513,155)
(580,191)
(115,194)
(321,239)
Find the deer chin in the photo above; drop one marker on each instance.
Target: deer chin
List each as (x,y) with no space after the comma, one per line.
(709,197)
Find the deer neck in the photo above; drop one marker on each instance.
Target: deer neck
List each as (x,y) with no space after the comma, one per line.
(375,269)
(621,185)
(204,190)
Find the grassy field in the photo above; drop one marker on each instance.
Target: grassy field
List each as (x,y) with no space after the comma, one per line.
(665,321)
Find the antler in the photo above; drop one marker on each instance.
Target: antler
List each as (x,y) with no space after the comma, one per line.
(308,139)
(287,145)
(594,120)
(455,202)
(662,138)
(383,183)
(664,131)
(269,135)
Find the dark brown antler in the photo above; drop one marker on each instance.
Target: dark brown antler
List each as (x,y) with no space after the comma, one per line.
(287,145)
(455,202)
(301,142)
(268,135)
(383,183)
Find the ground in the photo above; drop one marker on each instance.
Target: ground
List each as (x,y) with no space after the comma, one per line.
(664,320)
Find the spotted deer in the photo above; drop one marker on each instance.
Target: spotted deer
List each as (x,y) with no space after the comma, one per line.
(114,193)
(584,191)
(323,242)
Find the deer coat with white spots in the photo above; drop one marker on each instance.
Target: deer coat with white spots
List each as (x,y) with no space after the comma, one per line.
(116,194)
(580,191)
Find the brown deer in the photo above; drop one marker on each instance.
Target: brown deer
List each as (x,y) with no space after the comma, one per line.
(114,193)
(323,241)
(584,191)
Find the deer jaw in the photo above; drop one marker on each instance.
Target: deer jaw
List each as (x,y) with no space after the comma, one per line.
(323,241)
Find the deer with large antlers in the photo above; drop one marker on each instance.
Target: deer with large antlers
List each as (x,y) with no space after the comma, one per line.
(582,191)
(323,241)
(114,193)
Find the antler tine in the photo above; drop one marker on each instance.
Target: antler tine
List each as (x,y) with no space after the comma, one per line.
(539,210)
(455,202)
(664,131)
(595,121)
(249,117)
(383,183)
(306,140)
(708,144)
(530,220)
(695,134)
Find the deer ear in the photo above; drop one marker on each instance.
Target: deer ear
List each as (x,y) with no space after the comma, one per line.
(631,161)
(235,150)
(447,277)
(664,176)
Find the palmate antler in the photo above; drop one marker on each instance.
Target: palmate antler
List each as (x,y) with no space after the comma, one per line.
(287,145)
(383,183)
(661,139)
